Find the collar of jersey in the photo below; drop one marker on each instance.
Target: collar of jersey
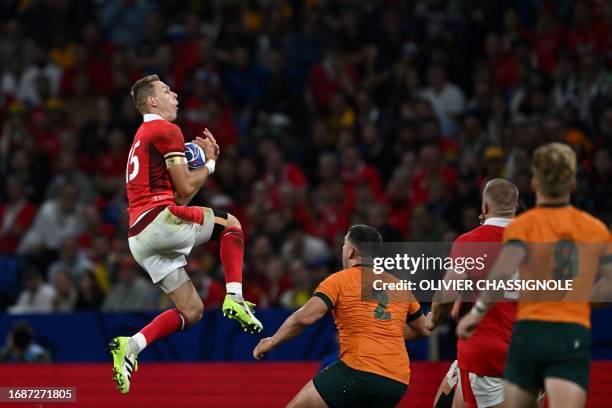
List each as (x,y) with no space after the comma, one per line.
(498,222)
(555,205)
(148,117)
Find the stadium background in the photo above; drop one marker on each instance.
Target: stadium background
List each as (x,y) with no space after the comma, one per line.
(328,113)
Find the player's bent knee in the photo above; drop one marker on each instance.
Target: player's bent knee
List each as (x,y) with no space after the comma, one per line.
(194,313)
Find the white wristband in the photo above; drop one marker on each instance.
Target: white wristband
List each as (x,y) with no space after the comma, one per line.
(480,308)
(210,165)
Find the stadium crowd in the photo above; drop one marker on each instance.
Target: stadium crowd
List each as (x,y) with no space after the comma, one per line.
(328,113)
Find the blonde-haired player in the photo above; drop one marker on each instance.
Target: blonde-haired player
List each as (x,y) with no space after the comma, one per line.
(550,345)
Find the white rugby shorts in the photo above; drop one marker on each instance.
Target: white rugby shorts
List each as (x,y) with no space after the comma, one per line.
(162,246)
(487,391)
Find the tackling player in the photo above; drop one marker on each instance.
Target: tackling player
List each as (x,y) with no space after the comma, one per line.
(163,230)
(550,344)
(373,370)
(481,358)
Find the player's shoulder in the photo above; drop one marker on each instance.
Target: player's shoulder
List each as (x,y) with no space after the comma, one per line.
(470,236)
(344,278)
(480,233)
(345,274)
(529,214)
(527,218)
(160,125)
(590,221)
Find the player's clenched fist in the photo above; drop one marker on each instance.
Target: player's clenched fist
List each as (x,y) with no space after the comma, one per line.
(429,322)
(265,345)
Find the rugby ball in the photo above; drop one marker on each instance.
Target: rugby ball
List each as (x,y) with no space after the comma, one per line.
(195,155)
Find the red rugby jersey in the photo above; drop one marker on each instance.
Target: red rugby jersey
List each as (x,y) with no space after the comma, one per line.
(484,353)
(148,181)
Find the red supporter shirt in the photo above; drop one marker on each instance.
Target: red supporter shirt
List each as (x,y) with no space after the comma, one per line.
(422,179)
(324,83)
(148,182)
(111,164)
(14,223)
(484,353)
(364,174)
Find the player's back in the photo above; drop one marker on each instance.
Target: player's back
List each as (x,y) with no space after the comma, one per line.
(371,332)
(157,144)
(484,353)
(562,243)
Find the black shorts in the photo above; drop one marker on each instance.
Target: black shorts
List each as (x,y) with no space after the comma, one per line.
(540,350)
(342,386)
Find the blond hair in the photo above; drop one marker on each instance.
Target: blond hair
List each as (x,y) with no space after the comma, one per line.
(142,89)
(554,167)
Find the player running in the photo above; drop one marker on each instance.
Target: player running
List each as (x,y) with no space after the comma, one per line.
(163,230)
(481,358)
(550,345)
(373,370)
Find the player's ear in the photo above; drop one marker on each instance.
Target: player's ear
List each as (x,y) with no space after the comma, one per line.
(534,184)
(352,252)
(152,100)
(486,208)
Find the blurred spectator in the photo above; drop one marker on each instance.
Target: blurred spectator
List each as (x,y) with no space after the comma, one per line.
(356,172)
(376,151)
(334,74)
(493,166)
(426,227)
(446,98)
(431,167)
(89,294)
(378,217)
(601,178)
(93,134)
(94,229)
(36,297)
(131,292)
(57,219)
(342,114)
(122,19)
(472,138)
(68,172)
(279,96)
(110,165)
(278,172)
(21,348)
(72,261)
(397,200)
(14,44)
(277,282)
(80,101)
(40,80)
(245,80)
(299,245)
(65,293)
(302,287)
(16,215)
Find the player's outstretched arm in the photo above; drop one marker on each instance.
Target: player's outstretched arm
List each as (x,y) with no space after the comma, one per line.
(439,312)
(188,182)
(295,324)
